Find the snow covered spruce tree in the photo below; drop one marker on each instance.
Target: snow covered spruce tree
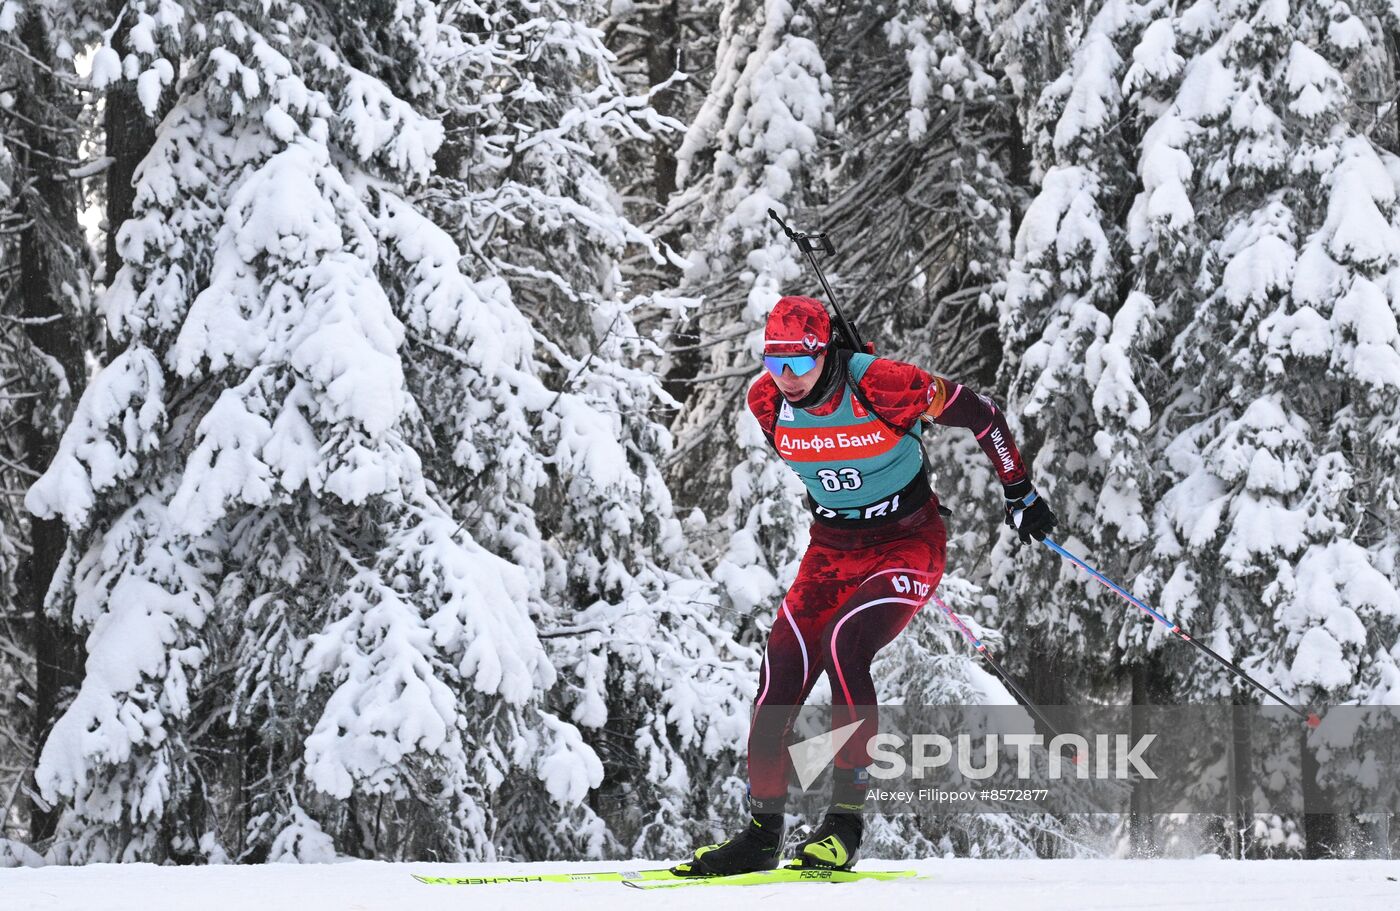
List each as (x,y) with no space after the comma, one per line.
(1255,263)
(1076,330)
(753,146)
(662,50)
(657,48)
(565,476)
(921,206)
(1276,532)
(297,647)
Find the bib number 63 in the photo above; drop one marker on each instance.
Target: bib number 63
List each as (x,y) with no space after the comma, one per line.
(839,478)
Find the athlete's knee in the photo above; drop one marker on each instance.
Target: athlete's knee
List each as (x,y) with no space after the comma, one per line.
(847,660)
(828,648)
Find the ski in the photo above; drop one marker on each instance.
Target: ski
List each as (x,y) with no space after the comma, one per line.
(665,879)
(602,876)
(781,875)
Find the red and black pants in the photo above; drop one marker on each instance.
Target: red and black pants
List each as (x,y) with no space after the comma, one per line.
(855,591)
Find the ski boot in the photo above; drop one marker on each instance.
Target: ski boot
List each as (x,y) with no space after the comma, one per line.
(836,842)
(834,846)
(758,847)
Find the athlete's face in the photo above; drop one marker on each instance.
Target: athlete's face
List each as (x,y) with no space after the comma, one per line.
(794,387)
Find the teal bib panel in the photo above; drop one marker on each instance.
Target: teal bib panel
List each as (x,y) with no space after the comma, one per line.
(850,458)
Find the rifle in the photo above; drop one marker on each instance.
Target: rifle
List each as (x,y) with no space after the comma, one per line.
(811,245)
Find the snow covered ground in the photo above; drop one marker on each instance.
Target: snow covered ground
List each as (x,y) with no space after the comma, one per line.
(959,885)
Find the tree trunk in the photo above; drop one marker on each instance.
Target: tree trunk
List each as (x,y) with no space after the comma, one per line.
(1241,780)
(130,135)
(1142,835)
(664,57)
(51,256)
(1047,676)
(1321,829)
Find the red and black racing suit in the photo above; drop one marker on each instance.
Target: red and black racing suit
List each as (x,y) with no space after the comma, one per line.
(859,583)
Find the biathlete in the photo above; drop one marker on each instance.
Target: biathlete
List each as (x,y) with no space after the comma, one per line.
(849,424)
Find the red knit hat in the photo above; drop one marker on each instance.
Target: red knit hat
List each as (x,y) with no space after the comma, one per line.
(797,325)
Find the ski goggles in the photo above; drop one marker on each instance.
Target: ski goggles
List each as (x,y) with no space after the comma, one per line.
(798,363)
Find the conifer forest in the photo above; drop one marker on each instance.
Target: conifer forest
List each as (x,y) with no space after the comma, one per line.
(376,479)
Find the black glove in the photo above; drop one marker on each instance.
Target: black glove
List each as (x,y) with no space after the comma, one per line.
(1027,512)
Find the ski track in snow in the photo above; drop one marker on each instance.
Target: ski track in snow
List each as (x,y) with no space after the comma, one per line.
(1121,885)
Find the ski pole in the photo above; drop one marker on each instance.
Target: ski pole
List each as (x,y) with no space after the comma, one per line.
(981,648)
(1310,717)
(810,244)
